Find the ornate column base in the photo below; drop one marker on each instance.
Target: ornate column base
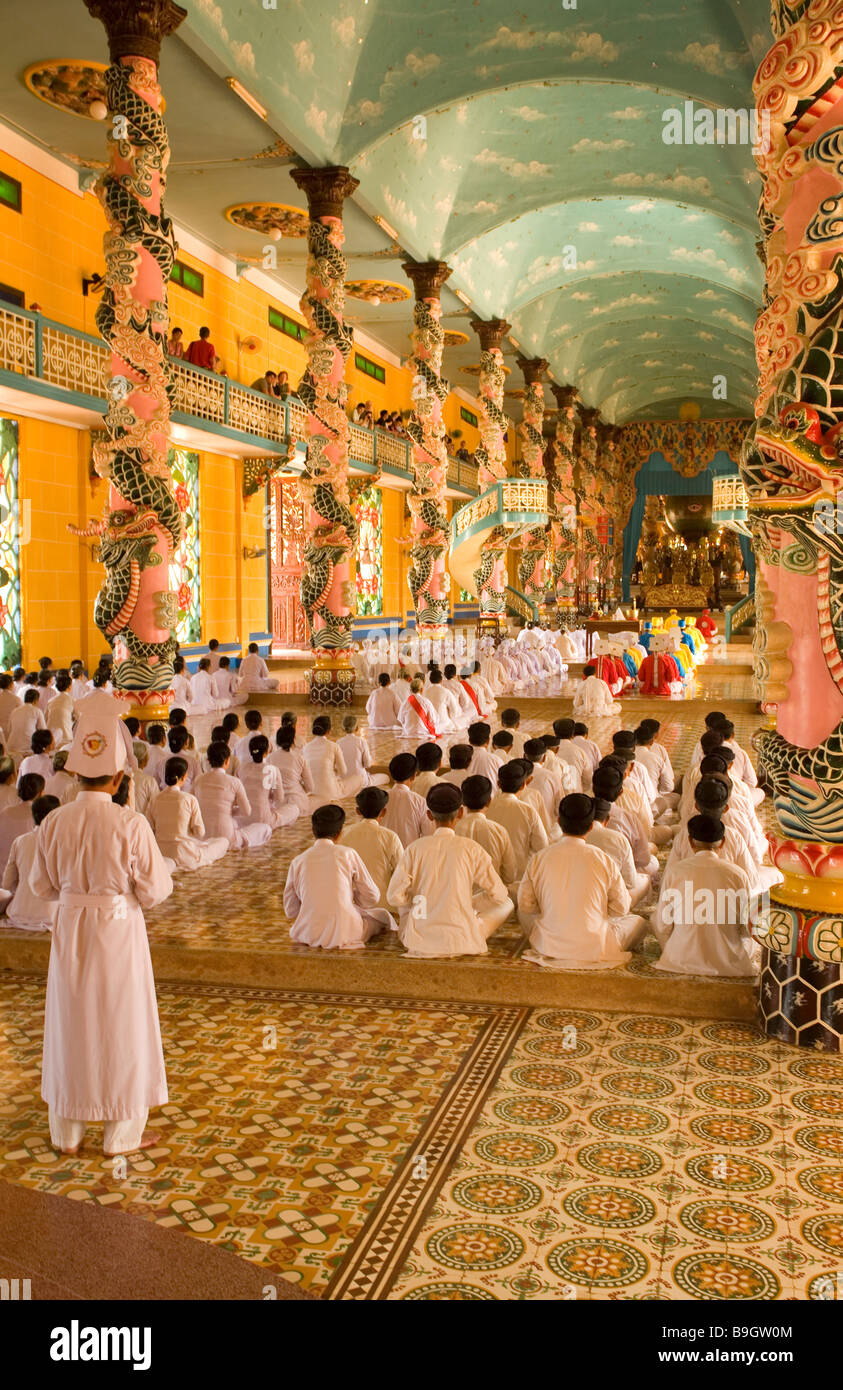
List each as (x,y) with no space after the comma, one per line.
(332,677)
(801,1001)
(148,706)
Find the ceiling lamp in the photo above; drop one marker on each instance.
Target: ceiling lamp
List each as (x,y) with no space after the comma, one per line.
(98,110)
(274,234)
(385,227)
(689,410)
(464,297)
(240,91)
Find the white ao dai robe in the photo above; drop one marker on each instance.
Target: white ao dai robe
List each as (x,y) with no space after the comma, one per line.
(25,911)
(221,797)
(180,830)
(331,899)
(264,787)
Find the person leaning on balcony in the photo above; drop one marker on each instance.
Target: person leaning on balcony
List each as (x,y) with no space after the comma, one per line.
(265,383)
(201,352)
(463,455)
(282,385)
(175,343)
(358,414)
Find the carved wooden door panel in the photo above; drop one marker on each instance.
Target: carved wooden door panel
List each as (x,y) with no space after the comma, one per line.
(287,536)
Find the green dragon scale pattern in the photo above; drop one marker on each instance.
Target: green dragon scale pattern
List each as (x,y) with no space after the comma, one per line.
(426,498)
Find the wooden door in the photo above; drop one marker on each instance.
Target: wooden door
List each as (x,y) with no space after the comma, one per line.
(286,541)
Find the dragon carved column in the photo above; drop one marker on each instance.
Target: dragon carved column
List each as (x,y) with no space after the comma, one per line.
(490,577)
(135,610)
(531,568)
(327,586)
(564,508)
(792,469)
(589,507)
(427,576)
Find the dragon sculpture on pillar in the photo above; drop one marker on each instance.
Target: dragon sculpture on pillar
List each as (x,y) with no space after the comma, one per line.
(490,455)
(531,567)
(564,524)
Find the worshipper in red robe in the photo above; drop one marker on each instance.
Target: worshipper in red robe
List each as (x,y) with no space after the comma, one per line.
(707,625)
(656,672)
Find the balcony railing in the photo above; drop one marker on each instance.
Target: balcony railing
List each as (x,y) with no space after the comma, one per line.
(34,347)
(729,504)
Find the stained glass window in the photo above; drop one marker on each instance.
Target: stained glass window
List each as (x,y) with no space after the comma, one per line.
(369,513)
(9,546)
(186,560)
(466,597)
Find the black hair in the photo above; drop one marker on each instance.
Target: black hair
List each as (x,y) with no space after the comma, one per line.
(564,728)
(285,736)
(476,792)
(513,775)
(429,757)
(371,801)
(258,748)
(121,796)
(576,814)
(231,721)
(42,806)
(534,749)
(30,785)
(177,717)
(41,740)
(459,756)
(218,753)
(384,678)
(133,725)
(503,739)
(253,718)
(403,766)
(156,734)
(327,821)
(321,725)
(177,738)
(580,730)
(174,770)
(510,717)
(479,733)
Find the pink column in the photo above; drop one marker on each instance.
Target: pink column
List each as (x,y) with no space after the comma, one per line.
(490,577)
(531,570)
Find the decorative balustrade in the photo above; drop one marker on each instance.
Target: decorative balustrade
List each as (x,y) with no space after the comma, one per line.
(729,504)
(511,502)
(35,347)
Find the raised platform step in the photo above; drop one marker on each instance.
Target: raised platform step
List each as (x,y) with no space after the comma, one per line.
(634,988)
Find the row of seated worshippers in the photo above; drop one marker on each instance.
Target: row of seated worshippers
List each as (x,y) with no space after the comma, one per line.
(617,669)
(215,686)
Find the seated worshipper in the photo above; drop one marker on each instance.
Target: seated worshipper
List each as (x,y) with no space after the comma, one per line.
(468,701)
(17,819)
(214,655)
(617,846)
(23,722)
(635,800)
(572,902)
(546,783)
(219,734)
(46,692)
(221,797)
(295,773)
(711,798)
(483,763)
(228,684)
(659,673)
(325,762)
(204,691)
(593,697)
(566,772)
(145,788)
(253,719)
(623,745)
(156,742)
(716,720)
(99,863)
(8,788)
(177,821)
(59,713)
(378,847)
(608,783)
(518,817)
(502,742)
(264,787)
(24,910)
(654,757)
(510,720)
(8,701)
(429,758)
(588,746)
(460,756)
(742,814)
(449,898)
(705,907)
(181,685)
(494,837)
(482,689)
(383,704)
(41,757)
(80,686)
(178,740)
(254,672)
(417,716)
(357,758)
(406,813)
(60,783)
(447,714)
(569,751)
(330,896)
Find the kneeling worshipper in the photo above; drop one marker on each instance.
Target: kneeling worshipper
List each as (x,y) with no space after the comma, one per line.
(357,758)
(383,704)
(519,818)
(264,786)
(99,863)
(378,847)
(477,797)
(330,896)
(703,919)
(417,717)
(573,904)
(177,821)
(449,897)
(222,796)
(593,698)
(617,846)
(23,909)
(254,672)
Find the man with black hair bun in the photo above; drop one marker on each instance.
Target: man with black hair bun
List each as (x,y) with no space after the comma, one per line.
(330,896)
(572,902)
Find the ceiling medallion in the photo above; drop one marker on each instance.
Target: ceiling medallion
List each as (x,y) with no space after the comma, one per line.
(377,291)
(453,337)
(474,369)
(269,218)
(70,85)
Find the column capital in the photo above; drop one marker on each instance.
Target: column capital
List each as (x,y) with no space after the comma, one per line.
(589,417)
(428,277)
(533,368)
(491,332)
(136,29)
(565,396)
(326,189)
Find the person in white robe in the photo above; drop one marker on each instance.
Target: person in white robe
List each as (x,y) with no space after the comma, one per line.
(482,689)
(357,757)
(228,684)
(24,910)
(215,657)
(655,758)
(618,848)
(156,742)
(99,863)
(295,773)
(573,904)
(9,701)
(253,722)
(80,685)
(254,672)
(713,797)
(593,698)
(23,722)
(717,722)
(204,693)
(59,713)
(447,716)
(608,784)
(417,717)
(221,798)
(450,900)
(8,782)
(383,704)
(566,769)
(546,782)
(739,810)
(40,759)
(468,709)
(177,822)
(520,819)
(511,721)
(181,685)
(264,786)
(588,746)
(571,752)
(484,763)
(378,846)
(406,812)
(429,758)
(325,762)
(476,825)
(145,787)
(178,740)
(330,896)
(705,909)
(17,819)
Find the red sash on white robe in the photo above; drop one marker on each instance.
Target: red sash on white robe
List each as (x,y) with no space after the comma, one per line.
(468,690)
(411,700)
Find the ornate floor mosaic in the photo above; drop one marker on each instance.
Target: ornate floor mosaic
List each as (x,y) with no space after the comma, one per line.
(365,1148)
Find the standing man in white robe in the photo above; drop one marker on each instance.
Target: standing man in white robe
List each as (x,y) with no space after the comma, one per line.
(99,862)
